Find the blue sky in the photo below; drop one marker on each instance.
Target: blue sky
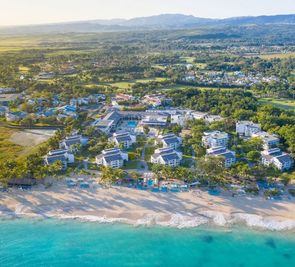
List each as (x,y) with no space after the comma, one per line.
(15,12)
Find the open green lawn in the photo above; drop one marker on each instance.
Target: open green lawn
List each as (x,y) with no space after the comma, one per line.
(131,165)
(189,60)
(287,104)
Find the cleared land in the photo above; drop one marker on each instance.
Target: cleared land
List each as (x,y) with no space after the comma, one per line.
(29,138)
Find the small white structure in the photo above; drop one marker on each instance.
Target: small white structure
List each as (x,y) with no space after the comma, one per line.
(228,155)
(282,161)
(167,156)
(124,139)
(247,128)
(113,158)
(62,155)
(169,140)
(269,140)
(215,139)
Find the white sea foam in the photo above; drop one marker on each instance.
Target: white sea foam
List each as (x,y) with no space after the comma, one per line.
(90,218)
(182,221)
(256,221)
(217,218)
(171,220)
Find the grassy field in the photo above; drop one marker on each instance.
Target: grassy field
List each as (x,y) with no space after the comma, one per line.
(24,69)
(281,55)
(287,104)
(128,84)
(189,60)
(8,149)
(131,165)
(16,143)
(14,44)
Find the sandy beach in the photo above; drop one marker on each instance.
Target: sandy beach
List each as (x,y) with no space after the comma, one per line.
(117,204)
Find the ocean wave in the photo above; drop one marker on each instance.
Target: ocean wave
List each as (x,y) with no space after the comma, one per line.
(256,221)
(180,221)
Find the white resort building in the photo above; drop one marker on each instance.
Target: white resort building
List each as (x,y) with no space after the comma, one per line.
(113,158)
(59,155)
(169,140)
(215,139)
(269,140)
(247,128)
(282,161)
(126,140)
(70,141)
(167,156)
(228,155)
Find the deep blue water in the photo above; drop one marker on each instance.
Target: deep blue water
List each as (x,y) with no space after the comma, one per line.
(72,243)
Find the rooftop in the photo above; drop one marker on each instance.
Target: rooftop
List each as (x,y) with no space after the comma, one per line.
(248,123)
(123,137)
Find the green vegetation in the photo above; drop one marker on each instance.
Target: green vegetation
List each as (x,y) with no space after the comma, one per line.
(239,74)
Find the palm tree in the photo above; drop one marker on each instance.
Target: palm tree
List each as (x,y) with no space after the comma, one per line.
(135,175)
(110,175)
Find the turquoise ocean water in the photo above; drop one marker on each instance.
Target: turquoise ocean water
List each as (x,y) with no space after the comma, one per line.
(72,243)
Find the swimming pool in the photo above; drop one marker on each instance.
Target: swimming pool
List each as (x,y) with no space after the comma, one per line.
(132,124)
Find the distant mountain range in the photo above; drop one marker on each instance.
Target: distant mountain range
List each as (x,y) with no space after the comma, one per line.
(165,21)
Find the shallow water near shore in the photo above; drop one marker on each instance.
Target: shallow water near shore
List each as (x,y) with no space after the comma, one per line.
(25,242)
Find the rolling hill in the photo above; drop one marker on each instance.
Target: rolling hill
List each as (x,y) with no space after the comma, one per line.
(164,21)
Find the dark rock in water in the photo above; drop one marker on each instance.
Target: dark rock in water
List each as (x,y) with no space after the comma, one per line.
(208,238)
(287,256)
(271,243)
